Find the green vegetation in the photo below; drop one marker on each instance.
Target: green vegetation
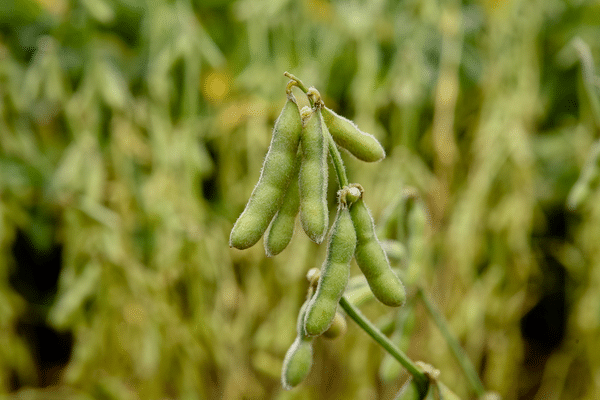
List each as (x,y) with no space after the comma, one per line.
(133,132)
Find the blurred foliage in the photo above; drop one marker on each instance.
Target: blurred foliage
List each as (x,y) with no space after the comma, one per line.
(132,133)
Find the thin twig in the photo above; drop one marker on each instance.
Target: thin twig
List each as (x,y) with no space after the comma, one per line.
(457,351)
(419,377)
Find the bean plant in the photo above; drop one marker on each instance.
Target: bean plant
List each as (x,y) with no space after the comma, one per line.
(294,180)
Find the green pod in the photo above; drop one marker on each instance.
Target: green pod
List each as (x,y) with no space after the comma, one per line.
(372,260)
(299,357)
(267,196)
(390,368)
(334,274)
(346,134)
(280,231)
(312,180)
(297,363)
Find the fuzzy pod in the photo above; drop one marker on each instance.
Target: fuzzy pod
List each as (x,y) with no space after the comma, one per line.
(299,357)
(346,134)
(335,273)
(268,194)
(372,260)
(280,231)
(312,180)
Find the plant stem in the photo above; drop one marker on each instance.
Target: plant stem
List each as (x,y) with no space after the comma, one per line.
(419,377)
(338,164)
(457,351)
(353,312)
(298,82)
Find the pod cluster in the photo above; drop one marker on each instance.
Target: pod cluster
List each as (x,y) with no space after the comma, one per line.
(293,181)
(352,235)
(293,178)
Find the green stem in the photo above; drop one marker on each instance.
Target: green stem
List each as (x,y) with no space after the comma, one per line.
(338,164)
(419,377)
(299,83)
(457,351)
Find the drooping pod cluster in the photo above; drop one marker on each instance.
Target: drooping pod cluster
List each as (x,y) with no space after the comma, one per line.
(276,199)
(294,181)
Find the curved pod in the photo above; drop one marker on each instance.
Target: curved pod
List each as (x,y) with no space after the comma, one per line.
(299,357)
(373,261)
(334,275)
(267,196)
(280,231)
(313,178)
(346,134)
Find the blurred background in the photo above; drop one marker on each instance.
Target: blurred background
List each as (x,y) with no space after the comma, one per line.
(132,133)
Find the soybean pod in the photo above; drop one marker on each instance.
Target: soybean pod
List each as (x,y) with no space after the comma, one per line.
(346,134)
(314,214)
(334,274)
(299,357)
(372,260)
(280,231)
(267,196)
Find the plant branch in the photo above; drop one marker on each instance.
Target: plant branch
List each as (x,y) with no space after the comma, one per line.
(419,378)
(457,351)
(338,164)
(299,83)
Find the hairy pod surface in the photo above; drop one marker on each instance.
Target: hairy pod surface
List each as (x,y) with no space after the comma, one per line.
(346,134)
(299,357)
(334,274)
(372,260)
(280,231)
(314,214)
(267,196)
